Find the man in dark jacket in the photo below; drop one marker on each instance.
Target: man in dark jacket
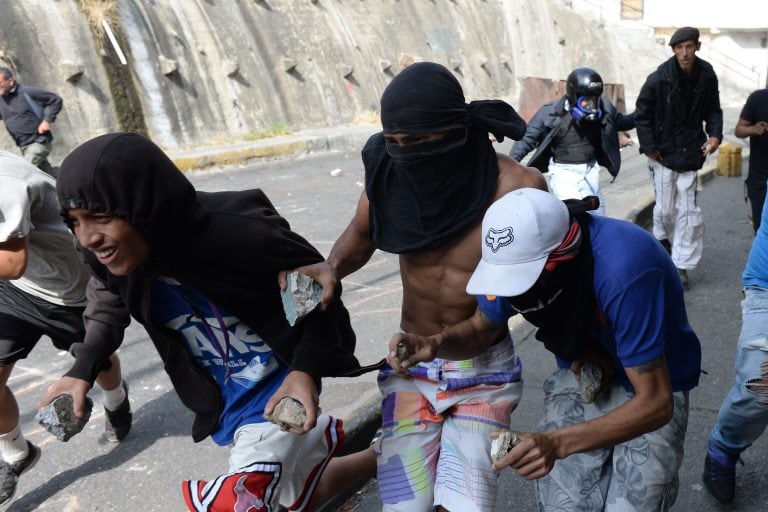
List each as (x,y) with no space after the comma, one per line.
(28,113)
(671,107)
(575,135)
(199,272)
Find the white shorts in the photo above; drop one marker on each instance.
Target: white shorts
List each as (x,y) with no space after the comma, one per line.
(268,466)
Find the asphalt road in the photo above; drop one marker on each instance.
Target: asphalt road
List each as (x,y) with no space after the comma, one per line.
(144,472)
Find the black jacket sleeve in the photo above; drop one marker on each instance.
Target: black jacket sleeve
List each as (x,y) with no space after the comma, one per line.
(714,114)
(106,319)
(622,122)
(534,134)
(645,114)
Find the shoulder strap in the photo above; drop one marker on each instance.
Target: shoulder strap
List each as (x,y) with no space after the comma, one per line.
(577,206)
(36,107)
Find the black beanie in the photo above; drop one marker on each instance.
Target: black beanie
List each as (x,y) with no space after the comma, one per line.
(684,34)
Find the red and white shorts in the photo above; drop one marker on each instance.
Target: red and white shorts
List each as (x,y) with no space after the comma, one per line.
(268,466)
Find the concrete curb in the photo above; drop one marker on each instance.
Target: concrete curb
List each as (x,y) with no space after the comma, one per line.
(288,146)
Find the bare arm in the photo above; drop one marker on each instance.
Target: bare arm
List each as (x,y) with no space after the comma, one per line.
(745,128)
(353,248)
(512,176)
(648,410)
(462,341)
(351,251)
(13,257)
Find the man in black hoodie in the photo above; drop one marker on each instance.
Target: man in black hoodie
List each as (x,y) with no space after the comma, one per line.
(676,99)
(199,271)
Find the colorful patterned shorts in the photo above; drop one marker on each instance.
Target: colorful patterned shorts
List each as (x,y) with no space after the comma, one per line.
(436,441)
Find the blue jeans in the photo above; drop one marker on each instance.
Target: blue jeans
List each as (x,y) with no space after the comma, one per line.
(744,413)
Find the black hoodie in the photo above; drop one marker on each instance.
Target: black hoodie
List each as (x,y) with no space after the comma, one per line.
(229,246)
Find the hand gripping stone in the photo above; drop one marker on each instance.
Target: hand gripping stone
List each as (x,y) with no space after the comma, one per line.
(59,418)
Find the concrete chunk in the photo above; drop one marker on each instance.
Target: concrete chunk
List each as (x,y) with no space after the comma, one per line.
(59,418)
(502,445)
(402,352)
(288,413)
(301,295)
(590,381)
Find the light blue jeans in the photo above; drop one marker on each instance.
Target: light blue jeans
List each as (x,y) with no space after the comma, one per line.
(744,413)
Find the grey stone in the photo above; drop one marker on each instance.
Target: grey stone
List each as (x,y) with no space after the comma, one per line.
(402,352)
(590,381)
(346,70)
(72,71)
(59,418)
(168,66)
(288,64)
(301,295)
(288,413)
(230,67)
(502,445)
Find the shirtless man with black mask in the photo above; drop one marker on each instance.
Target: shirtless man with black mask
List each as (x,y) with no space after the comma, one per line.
(429,177)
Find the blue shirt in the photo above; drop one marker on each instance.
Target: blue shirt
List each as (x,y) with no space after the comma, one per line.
(242,364)
(640,298)
(756,271)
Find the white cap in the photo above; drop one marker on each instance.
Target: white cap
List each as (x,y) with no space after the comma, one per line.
(520,230)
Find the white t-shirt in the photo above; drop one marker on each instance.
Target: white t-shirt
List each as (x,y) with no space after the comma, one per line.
(29,208)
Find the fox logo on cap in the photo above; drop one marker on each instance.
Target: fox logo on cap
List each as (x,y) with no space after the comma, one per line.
(498,239)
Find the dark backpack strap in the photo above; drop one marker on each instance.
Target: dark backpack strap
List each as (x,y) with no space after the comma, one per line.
(36,107)
(577,206)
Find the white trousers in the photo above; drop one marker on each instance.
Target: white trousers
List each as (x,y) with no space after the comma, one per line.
(676,215)
(576,181)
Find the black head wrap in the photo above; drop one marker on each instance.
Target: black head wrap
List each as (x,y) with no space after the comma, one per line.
(422,196)
(127,175)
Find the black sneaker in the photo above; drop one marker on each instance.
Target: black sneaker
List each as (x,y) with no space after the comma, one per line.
(117,423)
(720,477)
(683,277)
(10,473)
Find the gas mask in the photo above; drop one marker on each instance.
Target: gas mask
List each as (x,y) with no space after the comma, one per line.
(587,108)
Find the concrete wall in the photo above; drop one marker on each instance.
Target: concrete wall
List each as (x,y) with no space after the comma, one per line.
(210,71)
(41,40)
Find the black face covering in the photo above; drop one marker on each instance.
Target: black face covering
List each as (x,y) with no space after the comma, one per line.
(562,302)
(422,196)
(421,153)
